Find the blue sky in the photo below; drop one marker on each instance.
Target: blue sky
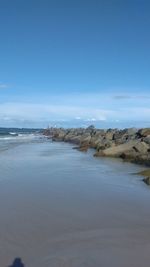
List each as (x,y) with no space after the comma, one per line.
(75,63)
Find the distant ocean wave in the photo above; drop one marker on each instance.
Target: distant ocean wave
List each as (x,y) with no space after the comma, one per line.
(13,132)
(10,136)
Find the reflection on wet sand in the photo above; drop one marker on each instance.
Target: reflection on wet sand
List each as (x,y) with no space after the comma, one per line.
(63,208)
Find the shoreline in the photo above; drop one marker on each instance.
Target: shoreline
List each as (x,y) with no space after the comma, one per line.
(130,144)
(79,207)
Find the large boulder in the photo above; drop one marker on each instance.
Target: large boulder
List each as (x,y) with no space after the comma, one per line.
(133,148)
(75,139)
(85,139)
(58,134)
(147,139)
(141,159)
(126,135)
(105,143)
(95,141)
(141,147)
(131,131)
(144,132)
(146,180)
(109,134)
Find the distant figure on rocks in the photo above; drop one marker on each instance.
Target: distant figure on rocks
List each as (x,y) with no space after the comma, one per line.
(17,263)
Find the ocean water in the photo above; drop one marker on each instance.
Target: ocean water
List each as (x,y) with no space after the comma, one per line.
(63,208)
(10,137)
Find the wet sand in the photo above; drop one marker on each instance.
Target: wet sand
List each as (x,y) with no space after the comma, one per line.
(63,208)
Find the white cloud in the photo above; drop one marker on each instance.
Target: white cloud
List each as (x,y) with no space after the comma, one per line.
(81,108)
(38,112)
(99,118)
(52,112)
(77,118)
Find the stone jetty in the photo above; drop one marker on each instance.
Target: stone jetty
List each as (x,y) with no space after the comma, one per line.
(129,144)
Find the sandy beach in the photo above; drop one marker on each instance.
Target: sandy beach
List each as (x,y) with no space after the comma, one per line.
(61,207)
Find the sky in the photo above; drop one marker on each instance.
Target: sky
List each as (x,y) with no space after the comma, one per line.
(75,63)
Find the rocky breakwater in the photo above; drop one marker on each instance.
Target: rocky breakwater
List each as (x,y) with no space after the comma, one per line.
(129,144)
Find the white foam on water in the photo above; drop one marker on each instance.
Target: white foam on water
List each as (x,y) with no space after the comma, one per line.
(7,141)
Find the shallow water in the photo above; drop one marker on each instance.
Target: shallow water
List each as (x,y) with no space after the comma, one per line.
(63,208)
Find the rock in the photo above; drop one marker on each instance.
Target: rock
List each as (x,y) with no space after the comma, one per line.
(117,151)
(141,159)
(126,150)
(96,142)
(104,144)
(109,135)
(83,148)
(131,131)
(141,147)
(130,144)
(85,139)
(147,140)
(146,180)
(144,132)
(58,134)
(123,136)
(144,173)
(73,139)
(96,138)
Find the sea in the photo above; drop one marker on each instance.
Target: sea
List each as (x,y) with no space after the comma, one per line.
(60,207)
(14,136)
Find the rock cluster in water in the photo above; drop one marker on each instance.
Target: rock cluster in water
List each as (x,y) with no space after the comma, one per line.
(129,144)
